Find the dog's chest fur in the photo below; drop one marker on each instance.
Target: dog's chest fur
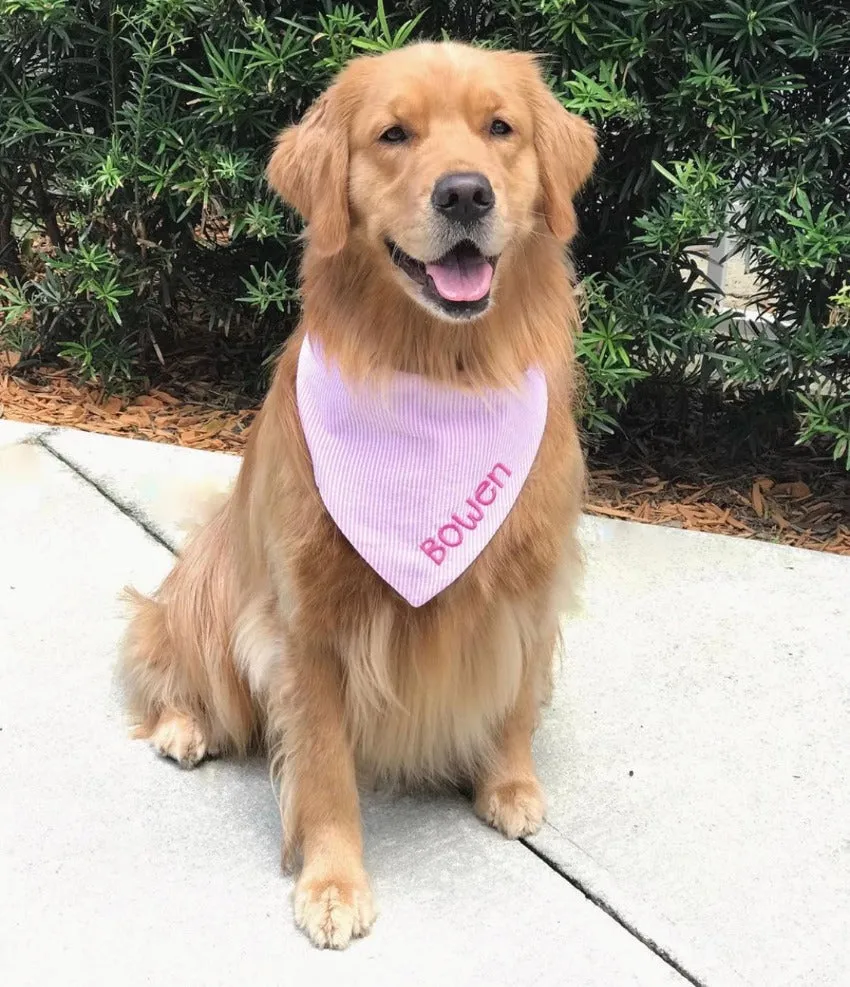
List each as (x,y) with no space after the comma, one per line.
(425,689)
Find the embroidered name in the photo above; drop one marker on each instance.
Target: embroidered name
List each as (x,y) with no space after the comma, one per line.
(451,534)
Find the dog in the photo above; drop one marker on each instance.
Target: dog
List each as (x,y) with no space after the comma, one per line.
(355,608)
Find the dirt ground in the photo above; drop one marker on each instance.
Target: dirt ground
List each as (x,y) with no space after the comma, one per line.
(795,498)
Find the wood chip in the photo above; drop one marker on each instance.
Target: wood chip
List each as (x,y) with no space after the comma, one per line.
(779,519)
(609,511)
(166,398)
(757,499)
(798,490)
(148,401)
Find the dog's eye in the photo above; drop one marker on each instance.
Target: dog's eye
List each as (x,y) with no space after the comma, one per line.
(499,128)
(394,135)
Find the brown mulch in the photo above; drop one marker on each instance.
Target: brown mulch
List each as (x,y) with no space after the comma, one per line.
(52,397)
(805,503)
(796,499)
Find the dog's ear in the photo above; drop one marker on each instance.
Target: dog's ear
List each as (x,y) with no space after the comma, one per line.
(566,153)
(309,170)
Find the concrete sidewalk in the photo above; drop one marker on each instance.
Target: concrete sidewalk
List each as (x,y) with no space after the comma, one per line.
(696,759)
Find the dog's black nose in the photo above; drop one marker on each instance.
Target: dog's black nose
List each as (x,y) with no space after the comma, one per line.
(463,196)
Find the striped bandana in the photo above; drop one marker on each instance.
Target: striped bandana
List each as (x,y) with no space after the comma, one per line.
(417,476)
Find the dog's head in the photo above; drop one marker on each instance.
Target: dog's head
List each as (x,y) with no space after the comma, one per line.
(439,159)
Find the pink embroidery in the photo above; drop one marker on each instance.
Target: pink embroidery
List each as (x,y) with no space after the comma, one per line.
(434,551)
(470,524)
(475,508)
(445,540)
(483,488)
(456,526)
(492,474)
(393,462)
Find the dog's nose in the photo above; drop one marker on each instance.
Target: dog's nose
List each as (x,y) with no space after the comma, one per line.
(463,196)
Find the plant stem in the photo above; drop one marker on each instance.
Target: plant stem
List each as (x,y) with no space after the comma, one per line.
(10,258)
(46,210)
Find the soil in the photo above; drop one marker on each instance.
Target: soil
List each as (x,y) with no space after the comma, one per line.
(792,497)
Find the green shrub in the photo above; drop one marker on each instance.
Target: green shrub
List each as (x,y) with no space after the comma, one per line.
(133,137)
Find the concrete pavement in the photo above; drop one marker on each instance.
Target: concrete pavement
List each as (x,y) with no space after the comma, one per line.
(696,759)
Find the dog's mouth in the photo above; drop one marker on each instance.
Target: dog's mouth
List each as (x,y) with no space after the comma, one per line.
(459,282)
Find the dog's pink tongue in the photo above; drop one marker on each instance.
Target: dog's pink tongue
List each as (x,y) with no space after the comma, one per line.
(461,279)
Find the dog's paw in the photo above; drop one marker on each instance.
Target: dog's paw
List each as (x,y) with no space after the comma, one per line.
(180,737)
(515,808)
(333,909)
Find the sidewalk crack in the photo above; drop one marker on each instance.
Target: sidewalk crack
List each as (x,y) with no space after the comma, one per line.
(612,912)
(127,509)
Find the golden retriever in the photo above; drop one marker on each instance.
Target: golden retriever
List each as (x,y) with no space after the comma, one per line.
(272,631)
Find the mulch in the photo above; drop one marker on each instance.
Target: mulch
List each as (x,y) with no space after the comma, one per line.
(53,397)
(782,508)
(795,499)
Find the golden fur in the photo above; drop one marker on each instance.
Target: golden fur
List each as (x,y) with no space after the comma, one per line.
(271,630)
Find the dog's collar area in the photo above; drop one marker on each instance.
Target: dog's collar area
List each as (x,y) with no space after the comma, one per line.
(458,283)
(417,475)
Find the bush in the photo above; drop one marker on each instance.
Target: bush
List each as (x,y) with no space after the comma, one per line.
(133,137)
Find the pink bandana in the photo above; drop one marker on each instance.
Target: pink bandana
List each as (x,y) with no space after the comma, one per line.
(417,476)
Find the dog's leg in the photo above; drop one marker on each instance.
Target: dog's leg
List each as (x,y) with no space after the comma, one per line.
(319,802)
(185,694)
(508,794)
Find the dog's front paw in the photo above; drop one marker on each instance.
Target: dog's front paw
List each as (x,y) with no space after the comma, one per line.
(182,738)
(334,908)
(515,808)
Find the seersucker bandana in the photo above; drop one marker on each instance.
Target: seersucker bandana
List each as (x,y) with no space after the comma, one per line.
(418,476)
